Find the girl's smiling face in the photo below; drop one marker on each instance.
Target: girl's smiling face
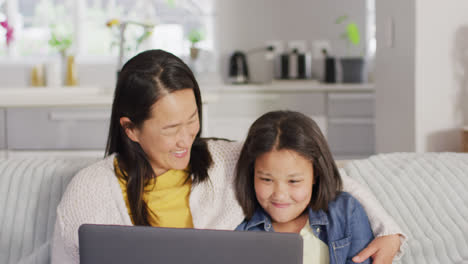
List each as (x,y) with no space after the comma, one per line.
(283,182)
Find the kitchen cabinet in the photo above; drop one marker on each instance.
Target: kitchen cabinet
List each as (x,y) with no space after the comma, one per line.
(346,117)
(58,122)
(57,128)
(351,129)
(75,121)
(231,116)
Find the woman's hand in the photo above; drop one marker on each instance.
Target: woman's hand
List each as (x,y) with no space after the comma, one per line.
(382,250)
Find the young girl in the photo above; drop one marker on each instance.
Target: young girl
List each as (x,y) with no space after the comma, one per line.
(287,181)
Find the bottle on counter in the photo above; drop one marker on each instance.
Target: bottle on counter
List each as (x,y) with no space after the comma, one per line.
(37,76)
(330,68)
(71,78)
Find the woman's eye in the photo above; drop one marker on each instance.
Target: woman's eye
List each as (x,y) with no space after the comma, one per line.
(294,181)
(266,179)
(171,131)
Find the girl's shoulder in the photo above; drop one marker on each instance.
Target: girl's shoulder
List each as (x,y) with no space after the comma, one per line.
(345,203)
(242,226)
(344,198)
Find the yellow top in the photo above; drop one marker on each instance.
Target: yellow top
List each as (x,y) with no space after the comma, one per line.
(315,250)
(166,196)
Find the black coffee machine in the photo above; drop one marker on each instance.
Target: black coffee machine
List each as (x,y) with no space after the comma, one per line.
(294,65)
(238,71)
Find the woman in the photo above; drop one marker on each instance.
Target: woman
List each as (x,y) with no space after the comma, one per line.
(159,172)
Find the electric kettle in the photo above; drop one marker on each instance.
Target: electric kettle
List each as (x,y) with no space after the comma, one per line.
(238,71)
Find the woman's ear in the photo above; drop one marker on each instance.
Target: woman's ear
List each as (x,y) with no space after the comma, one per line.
(129,128)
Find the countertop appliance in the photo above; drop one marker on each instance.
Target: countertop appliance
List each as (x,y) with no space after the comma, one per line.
(238,71)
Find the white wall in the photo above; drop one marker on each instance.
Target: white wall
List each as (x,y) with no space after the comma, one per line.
(441,73)
(421,77)
(247,24)
(394,76)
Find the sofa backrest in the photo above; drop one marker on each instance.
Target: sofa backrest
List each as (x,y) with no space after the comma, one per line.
(30,190)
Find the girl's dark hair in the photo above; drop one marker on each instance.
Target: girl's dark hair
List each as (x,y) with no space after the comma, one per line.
(143,80)
(287,130)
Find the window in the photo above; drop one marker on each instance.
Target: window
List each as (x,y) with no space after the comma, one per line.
(84,22)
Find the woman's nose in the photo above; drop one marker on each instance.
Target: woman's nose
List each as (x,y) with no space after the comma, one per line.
(185,137)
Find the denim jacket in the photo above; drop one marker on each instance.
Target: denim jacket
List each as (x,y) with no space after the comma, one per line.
(344,228)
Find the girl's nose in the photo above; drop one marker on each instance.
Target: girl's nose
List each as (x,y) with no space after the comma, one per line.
(279,192)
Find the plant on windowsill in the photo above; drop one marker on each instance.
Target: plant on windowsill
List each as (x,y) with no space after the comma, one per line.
(352,66)
(62,72)
(60,42)
(194,37)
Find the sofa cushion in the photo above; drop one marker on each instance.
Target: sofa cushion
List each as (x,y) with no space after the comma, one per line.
(426,194)
(30,190)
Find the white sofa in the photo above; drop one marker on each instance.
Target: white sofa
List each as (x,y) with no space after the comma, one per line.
(427,194)
(30,190)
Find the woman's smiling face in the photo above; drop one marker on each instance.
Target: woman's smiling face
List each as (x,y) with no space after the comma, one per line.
(167,136)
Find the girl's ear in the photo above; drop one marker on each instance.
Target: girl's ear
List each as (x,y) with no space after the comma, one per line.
(129,128)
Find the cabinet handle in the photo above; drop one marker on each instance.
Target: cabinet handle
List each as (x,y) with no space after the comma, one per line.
(351,96)
(257,97)
(73,116)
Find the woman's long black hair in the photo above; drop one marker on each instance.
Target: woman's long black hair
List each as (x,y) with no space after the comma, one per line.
(143,80)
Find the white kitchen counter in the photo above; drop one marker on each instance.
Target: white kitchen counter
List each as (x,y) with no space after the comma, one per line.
(285,86)
(95,96)
(65,96)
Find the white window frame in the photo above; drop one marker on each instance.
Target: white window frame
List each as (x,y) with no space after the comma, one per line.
(78,47)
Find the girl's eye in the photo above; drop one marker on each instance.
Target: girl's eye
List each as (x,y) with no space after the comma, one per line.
(265,179)
(294,181)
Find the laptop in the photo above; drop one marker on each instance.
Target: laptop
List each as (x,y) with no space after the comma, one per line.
(140,244)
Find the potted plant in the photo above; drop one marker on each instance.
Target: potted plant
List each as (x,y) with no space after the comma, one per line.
(194,37)
(352,66)
(61,71)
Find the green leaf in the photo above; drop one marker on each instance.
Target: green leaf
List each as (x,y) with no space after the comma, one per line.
(171,3)
(195,36)
(60,43)
(353,33)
